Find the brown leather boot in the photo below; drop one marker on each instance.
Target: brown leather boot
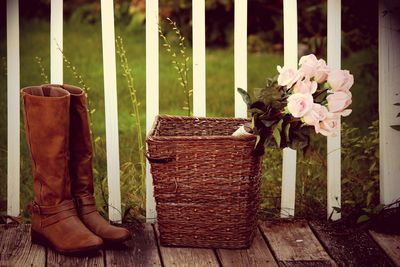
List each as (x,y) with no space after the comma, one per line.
(55,222)
(81,170)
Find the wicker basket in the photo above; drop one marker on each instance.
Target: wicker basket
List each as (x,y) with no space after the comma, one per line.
(206,182)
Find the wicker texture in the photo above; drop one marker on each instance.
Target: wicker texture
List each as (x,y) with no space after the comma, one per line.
(206,182)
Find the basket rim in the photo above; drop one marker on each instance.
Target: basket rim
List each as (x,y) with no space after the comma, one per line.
(153,137)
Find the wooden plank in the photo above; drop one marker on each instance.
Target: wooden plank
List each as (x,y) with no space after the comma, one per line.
(141,250)
(56,41)
(13,109)
(240,54)
(152,94)
(334,143)
(187,257)
(92,259)
(16,248)
(257,255)
(111,110)
(389,84)
(390,244)
(199,58)
(293,244)
(288,194)
(349,246)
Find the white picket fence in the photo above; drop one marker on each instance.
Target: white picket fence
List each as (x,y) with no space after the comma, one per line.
(152,89)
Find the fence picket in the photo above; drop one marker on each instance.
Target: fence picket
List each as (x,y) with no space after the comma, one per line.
(152,94)
(288,194)
(56,41)
(199,58)
(13,109)
(333,149)
(111,110)
(240,53)
(389,84)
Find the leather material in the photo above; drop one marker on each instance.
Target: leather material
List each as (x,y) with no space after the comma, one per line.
(86,204)
(54,216)
(81,169)
(49,210)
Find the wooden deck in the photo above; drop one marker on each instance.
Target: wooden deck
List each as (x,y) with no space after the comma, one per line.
(291,243)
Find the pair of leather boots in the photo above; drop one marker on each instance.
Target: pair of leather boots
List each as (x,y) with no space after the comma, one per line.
(64,214)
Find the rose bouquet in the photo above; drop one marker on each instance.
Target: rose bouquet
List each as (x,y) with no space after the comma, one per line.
(297,102)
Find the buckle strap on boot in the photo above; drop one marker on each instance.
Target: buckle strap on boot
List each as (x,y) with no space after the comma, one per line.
(56,213)
(86,204)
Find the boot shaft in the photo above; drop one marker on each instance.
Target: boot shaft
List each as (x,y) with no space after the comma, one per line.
(81,149)
(80,145)
(46,114)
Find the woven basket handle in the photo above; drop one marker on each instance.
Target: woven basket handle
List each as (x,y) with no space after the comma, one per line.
(159,160)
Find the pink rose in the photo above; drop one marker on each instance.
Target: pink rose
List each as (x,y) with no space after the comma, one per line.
(329,126)
(340,80)
(305,87)
(321,72)
(308,65)
(287,76)
(339,101)
(315,68)
(344,113)
(299,104)
(315,115)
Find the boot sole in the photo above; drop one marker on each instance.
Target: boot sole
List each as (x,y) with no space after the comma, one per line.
(39,239)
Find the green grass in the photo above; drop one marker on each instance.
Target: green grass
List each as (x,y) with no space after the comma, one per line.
(82,46)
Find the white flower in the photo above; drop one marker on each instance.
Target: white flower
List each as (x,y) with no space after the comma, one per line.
(339,101)
(308,65)
(305,87)
(321,72)
(287,76)
(340,80)
(315,68)
(329,126)
(315,115)
(299,104)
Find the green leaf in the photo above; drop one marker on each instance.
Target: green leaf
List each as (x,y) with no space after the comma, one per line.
(257,92)
(269,95)
(367,210)
(286,110)
(287,130)
(326,85)
(277,133)
(259,147)
(378,209)
(255,110)
(245,96)
(259,105)
(258,138)
(363,218)
(320,96)
(395,127)
(279,125)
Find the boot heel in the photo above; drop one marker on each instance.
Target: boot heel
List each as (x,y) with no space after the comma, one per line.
(38,239)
